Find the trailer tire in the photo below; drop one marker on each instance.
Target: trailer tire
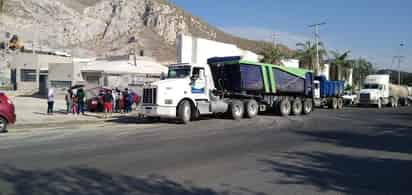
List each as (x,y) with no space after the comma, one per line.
(379,103)
(284,107)
(334,104)
(297,107)
(307,106)
(237,109)
(251,108)
(184,112)
(3,125)
(340,103)
(392,102)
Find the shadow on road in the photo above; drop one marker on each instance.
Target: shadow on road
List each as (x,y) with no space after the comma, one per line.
(85,181)
(345,174)
(383,137)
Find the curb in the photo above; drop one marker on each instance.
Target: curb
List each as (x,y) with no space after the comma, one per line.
(51,124)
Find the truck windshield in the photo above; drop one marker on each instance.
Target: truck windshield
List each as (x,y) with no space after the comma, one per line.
(178,72)
(371,86)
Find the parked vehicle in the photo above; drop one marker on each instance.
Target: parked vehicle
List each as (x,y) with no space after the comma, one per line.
(378,91)
(328,93)
(349,98)
(7,114)
(229,85)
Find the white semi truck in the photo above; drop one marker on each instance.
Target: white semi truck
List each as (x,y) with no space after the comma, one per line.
(377,90)
(229,85)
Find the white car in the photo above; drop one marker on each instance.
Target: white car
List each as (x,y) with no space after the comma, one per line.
(349,98)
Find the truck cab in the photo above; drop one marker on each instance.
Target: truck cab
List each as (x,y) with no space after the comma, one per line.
(186,84)
(375,91)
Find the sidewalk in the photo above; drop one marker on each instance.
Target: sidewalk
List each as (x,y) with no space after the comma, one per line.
(32,111)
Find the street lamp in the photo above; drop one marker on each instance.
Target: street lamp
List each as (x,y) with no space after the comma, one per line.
(316,36)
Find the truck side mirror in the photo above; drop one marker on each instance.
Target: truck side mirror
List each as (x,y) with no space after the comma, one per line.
(162,76)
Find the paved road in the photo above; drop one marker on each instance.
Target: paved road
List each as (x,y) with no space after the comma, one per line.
(354,151)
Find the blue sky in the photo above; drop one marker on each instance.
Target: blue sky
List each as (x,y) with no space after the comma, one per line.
(369,28)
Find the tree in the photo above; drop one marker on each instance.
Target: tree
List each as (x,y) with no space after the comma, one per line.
(341,64)
(272,55)
(306,54)
(361,69)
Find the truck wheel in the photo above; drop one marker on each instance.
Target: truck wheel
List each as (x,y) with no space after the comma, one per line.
(340,103)
(252,108)
(379,104)
(184,111)
(237,109)
(334,103)
(392,102)
(297,106)
(196,115)
(284,107)
(3,125)
(307,106)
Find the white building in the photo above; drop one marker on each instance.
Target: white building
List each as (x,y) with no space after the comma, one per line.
(197,50)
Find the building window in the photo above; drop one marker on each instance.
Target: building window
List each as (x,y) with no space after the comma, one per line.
(28,75)
(61,84)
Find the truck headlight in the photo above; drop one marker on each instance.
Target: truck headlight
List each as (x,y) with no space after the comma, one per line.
(168,101)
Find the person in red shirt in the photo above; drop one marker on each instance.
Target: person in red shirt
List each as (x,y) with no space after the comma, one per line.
(108,103)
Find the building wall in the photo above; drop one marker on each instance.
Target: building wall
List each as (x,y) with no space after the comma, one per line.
(197,50)
(29,61)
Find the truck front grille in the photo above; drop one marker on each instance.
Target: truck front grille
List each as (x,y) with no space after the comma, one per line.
(364,98)
(149,95)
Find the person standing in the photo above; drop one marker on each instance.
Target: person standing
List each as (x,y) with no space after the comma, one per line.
(80,101)
(50,101)
(114,100)
(126,100)
(74,104)
(108,101)
(69,100)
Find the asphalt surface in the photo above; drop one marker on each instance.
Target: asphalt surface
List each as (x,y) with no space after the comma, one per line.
(353,151)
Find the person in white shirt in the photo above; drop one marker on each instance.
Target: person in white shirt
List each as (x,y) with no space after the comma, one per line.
(50,101)
(114,100)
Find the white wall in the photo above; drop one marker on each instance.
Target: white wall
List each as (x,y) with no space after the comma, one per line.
(291,63)
(325,71)
(197,50)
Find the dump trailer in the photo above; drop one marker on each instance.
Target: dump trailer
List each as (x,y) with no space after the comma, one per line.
(328,93)
(275,88)
(228,85)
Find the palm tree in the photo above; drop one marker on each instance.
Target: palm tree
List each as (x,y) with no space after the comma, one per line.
(306,54)
(361,69)
(272,55)
(341,64)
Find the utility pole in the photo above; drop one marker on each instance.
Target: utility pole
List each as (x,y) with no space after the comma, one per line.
(399,58)
(316,37)
(274,38)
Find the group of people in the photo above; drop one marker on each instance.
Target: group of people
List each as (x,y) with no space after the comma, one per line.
(117,101)
(75,101)
(113,100)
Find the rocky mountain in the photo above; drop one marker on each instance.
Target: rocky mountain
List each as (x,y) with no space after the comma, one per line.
(109,27)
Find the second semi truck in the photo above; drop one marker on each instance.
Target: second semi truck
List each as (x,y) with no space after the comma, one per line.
(377,90)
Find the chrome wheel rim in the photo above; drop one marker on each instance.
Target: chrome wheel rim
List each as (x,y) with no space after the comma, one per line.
(186,113)
(237,110)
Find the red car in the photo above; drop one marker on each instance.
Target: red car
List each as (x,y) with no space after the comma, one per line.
(7,114)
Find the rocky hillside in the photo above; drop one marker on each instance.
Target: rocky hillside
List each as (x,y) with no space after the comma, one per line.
(108,27)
